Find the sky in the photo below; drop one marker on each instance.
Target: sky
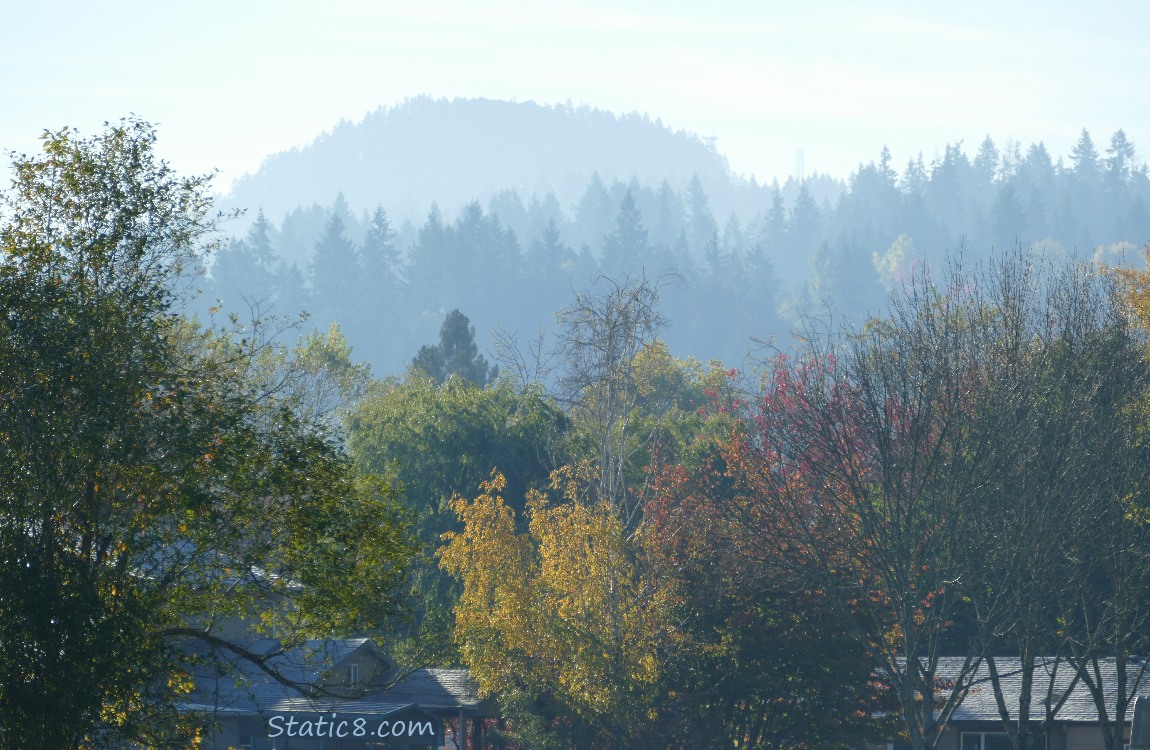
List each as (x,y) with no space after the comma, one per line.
(229,82)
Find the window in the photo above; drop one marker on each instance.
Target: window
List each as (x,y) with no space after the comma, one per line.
(353,675)
(994,741)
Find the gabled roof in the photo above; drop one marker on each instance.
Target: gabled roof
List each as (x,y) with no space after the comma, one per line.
(243,688)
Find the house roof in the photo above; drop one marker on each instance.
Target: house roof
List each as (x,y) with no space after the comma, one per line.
(1052,677)
(242,688)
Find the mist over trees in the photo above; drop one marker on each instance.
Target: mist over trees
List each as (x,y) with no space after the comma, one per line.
(626,547)
(749,268)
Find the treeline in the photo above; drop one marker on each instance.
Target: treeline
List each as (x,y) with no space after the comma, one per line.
(811,246)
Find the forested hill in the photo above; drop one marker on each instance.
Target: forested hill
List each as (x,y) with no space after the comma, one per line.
(804,247)
(455,151)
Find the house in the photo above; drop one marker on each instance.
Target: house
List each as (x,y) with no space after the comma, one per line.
(333,695)
(1073,720)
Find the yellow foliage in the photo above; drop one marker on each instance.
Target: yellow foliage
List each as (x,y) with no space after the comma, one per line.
(558,609)
(1136,289)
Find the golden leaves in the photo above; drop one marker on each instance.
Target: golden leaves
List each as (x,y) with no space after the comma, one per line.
(559,608)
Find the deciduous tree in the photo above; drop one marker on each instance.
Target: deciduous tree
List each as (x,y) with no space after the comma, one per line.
(558,618)
(152,487)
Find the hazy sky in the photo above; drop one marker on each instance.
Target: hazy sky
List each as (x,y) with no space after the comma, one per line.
(229,82)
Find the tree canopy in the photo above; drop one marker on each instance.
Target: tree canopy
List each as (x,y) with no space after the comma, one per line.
(157,485)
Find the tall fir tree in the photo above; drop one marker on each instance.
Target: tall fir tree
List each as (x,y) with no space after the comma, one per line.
(455,354)
(701,224)
(625,250)
(1084,157)
(335,272)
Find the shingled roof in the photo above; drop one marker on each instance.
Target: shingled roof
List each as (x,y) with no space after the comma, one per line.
(1052,677)
(242,688)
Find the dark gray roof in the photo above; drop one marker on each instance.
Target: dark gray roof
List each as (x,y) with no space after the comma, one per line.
(1079,706)
(242,688)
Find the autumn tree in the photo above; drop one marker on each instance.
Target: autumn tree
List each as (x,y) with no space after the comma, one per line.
(556,621)
(1108,617)
(440,440)
(909,471)
(758,659)
(585,547)
(1062,369)
(856,463)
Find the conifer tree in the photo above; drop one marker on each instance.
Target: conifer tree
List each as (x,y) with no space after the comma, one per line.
(335,271)
(456,354)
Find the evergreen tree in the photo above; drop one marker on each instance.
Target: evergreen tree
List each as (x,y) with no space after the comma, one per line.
(342,209)
(986,163)
(668,217)
(379,256)
(888,175)
(430,263)
(485,264)
(550,264)
(543,212)
(456,354)
(701,224)
(378,305)
(733,237)
(243,281)
(1007,217)
(773,227)
(292,296)
(1120,163)
(1084,156)
(944,191)
(260,240)
(805,228)
(914,178)
(335,271)
(232,266)
(593,213)
(508,206)
(625,250)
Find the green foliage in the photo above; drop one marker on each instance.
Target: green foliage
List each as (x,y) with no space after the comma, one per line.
(438,440)
(318,377)
(157,489)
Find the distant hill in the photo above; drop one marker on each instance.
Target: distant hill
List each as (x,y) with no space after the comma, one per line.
(749,261)
(454,151)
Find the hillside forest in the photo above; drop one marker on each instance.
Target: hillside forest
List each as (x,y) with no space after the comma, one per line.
(812,247)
